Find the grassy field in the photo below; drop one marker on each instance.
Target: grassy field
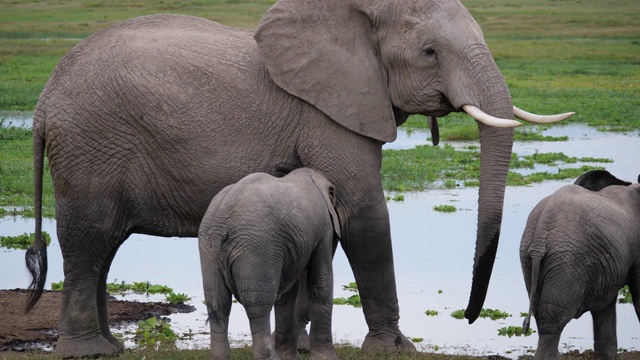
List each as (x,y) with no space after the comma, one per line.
(569,55)
(556,55)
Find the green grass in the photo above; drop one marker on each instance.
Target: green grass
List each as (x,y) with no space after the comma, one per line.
(425,167)
(16,174)
(556,56)
(22,241)
(344,352)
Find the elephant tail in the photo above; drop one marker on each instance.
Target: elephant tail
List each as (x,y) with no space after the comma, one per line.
(533,294)
(36,255)
(211,244)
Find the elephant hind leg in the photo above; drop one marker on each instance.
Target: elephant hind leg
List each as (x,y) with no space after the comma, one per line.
(604,331)
(548,346)
(287,327)
(87,251)
(634,287)
(551,320)
(101,298)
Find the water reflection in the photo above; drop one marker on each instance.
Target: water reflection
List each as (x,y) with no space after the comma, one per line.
(16,118)
(433,255)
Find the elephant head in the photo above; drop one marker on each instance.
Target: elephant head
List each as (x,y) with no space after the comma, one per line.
(369,64)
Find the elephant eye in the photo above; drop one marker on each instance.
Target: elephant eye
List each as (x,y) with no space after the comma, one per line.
(430,51)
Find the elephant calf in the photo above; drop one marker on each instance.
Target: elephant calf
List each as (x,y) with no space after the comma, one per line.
(579,247)
(256,240)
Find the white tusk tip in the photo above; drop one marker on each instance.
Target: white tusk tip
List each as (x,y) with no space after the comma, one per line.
(540,119)
(490,120)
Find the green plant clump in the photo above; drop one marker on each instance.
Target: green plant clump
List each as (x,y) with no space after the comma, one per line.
(57,286)
(514,331)
(353,300)
(445,208)
(143,287)
(353,287)
(22,241)
(458,314)
(494,314)
(431,312)
(175,299)
(154,332)
(625,295)
(484,313)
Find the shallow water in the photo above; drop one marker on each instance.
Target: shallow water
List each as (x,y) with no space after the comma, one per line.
(433,255)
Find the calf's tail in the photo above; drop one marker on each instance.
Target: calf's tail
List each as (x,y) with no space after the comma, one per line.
(533,294)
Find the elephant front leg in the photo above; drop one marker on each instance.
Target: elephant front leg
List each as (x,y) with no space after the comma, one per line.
(367,245)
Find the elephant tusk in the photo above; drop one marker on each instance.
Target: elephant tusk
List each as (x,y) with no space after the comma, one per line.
(487,119)
(540,119)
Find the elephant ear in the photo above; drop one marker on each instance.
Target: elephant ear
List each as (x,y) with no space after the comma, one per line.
(328,192)
(596,180)
(330,199)
(324,53)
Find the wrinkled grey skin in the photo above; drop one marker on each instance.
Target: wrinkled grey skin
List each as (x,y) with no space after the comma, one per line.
(256,239)
(578,249)
(146,121)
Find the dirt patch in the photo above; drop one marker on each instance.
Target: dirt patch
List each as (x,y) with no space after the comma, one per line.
(37,328)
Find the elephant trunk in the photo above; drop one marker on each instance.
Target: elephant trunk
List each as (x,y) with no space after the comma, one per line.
(491,95)
(495,146)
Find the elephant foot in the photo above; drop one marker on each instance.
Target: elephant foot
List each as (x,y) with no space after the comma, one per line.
(386,342)
(304,344)
(80,347)
(323,355)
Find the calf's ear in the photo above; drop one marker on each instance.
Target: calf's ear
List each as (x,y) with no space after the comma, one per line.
(330,199)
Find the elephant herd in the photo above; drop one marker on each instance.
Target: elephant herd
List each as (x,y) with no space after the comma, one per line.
(147,121)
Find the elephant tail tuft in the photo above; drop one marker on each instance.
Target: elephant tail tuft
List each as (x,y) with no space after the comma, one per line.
(37,265)
(536,259)
(36,255)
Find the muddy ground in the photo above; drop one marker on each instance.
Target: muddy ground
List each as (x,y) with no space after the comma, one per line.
(37,329)
(19,331)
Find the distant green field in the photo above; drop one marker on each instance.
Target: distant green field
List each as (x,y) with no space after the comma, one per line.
(556,56)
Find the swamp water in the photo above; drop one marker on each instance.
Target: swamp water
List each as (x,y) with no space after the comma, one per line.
(433,254)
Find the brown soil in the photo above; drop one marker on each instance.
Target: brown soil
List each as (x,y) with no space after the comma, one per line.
(37,328)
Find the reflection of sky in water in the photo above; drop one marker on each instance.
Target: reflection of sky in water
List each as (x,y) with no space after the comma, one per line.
(433,251)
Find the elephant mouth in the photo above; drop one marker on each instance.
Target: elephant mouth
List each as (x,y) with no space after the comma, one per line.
(444,108)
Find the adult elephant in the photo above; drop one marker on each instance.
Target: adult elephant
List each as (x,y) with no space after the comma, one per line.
(146,121)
